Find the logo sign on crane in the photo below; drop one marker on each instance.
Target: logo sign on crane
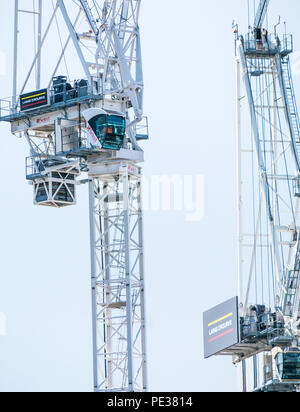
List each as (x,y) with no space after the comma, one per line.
(221,327)
(34,100)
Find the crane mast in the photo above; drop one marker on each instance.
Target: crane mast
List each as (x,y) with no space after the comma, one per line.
(269,246)
(92,127)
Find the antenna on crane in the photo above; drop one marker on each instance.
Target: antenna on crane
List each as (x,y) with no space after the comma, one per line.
(92,125)
(261,328)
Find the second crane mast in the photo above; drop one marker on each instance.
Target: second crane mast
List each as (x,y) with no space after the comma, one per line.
(260,328)
(94,126)
(268,212)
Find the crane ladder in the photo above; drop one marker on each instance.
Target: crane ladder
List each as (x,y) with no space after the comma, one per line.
(292,287)
(89,14)
(291,105)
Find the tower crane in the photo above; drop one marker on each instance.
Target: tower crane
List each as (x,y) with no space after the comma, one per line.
(92,126)
(262,327)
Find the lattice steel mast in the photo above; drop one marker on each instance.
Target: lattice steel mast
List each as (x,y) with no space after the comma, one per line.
(93,126)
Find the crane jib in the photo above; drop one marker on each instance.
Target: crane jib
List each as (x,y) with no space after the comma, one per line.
(261,13)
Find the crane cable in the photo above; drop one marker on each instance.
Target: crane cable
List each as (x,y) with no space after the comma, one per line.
(271,259)
(61,43)
(34,33)
(271,278)
(254,214)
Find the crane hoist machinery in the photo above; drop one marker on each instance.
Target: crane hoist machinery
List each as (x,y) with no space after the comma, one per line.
(260,329)
(90,126)
(106,131)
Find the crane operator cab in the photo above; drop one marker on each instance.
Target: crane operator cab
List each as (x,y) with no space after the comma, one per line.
(105,130)
(286,364)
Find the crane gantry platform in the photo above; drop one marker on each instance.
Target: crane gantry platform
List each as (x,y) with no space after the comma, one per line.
(92,126)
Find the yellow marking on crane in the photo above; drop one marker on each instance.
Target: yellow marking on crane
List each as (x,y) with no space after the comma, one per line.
(219,320)
(36,95)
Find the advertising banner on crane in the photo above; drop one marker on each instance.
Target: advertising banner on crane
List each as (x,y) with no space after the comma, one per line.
(221,327)
(34,100)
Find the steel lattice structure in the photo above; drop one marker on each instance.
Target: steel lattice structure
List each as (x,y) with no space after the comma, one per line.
(278,169)
(268,198)
(118,278)
(99,41)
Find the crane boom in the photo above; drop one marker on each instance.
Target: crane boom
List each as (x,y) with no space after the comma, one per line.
(89,14)
(261,13)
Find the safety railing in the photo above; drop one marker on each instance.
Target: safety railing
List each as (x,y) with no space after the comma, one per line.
(270,43)
(267,326)
(36,166)
(142,129)
(63,91)
(7,106)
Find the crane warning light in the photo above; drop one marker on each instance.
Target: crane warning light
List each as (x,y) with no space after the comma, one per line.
(34,100)
(221,328)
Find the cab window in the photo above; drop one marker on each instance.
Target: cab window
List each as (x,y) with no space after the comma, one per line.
(99,125)
(288,365)
(116,125)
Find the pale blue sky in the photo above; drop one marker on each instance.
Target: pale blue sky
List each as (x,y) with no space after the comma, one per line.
(44,266)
